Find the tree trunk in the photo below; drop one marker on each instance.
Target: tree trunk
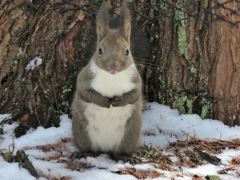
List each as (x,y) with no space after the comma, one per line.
(197,66)
(38,96)
(225,73)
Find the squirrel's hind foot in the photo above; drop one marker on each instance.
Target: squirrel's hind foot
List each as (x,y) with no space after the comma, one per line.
(124,158)
(80,155)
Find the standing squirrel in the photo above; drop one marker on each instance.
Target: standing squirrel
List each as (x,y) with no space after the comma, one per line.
(107,106)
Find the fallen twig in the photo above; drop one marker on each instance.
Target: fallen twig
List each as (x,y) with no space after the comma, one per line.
(227,169)
(26,163)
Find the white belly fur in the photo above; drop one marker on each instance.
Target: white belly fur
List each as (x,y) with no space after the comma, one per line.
(106,126)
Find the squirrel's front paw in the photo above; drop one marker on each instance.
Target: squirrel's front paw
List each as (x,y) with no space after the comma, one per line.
(119,101)
(102,101)
(105,102)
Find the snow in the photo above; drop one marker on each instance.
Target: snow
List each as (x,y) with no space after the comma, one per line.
(161,125)
(20,51)
(168,125)
(37,61)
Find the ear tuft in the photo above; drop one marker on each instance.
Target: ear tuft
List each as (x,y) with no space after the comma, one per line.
(102,21)
(125,22)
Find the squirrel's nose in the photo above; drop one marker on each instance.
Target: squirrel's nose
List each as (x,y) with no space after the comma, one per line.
(113,65)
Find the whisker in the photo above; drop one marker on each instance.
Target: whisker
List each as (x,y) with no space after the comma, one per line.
(148,66)
(147,63)
(140,64)
(142,61)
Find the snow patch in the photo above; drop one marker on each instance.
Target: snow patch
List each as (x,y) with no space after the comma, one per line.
(37,61)
(161,125)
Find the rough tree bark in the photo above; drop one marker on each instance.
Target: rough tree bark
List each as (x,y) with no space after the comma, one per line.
(38,96)
(197,65)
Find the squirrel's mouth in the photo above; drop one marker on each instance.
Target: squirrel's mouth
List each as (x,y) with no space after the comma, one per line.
(113,72)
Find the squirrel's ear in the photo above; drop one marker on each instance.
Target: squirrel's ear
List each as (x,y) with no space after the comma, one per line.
(125,22)
(102,21)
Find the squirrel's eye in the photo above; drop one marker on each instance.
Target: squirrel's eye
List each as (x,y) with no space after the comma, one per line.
(100,51)
(127,52)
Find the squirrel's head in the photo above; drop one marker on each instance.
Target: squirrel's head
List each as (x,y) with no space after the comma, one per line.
(113,45)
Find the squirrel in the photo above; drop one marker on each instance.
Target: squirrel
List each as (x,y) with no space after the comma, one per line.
(107,105)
